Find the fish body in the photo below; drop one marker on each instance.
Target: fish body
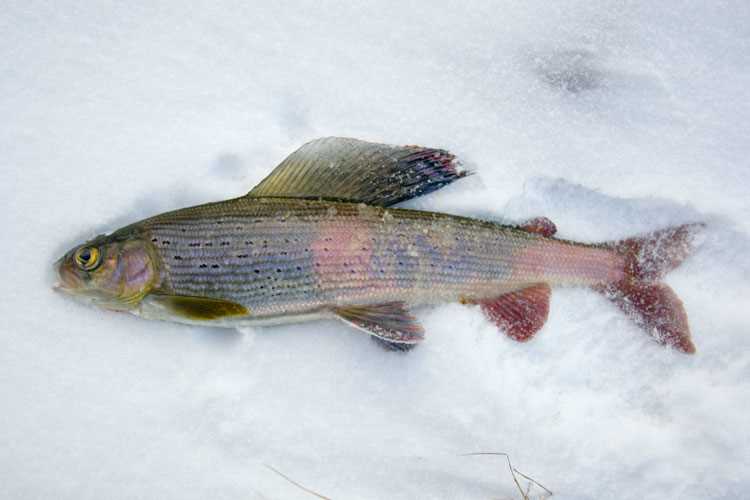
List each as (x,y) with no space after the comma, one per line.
(306,244)
(280,257)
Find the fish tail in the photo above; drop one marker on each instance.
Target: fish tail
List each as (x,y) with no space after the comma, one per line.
(640,293)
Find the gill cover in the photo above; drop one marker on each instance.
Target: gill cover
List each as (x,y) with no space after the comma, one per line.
(112,271)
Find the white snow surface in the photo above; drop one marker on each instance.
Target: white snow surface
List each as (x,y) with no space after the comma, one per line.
(611,118)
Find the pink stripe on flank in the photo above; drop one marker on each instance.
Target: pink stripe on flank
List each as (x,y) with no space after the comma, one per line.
(565,264)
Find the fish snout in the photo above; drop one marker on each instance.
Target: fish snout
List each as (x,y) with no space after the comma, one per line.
(68,281)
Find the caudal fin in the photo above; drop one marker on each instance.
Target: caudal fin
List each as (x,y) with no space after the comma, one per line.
(640,294)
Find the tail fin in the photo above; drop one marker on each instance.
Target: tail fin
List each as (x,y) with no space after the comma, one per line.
(640,294)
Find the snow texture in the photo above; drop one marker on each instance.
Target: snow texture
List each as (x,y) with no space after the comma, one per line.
(611,118)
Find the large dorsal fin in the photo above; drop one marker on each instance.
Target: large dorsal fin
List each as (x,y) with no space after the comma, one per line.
(353,170)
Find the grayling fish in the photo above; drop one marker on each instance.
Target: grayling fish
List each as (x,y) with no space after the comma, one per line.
(319,238)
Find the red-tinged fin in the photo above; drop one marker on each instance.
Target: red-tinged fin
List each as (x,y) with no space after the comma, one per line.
(657,309)
(650,303)
(391,322)
(540,225)
(521,313)
(649,258)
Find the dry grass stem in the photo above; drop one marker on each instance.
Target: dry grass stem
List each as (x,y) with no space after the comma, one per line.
(298,485)
(513,472)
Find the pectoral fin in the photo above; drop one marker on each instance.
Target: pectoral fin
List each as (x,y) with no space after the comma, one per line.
(390,322)
(352,170)
(521,313)
(199,308)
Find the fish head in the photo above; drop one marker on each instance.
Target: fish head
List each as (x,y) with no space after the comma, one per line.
(111,271)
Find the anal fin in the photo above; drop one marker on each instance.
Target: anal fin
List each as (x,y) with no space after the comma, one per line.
(521,313)
(390,322)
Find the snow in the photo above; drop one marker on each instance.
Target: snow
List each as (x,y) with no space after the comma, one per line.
(610,118)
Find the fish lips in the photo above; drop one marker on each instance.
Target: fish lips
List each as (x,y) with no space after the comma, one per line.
(67,279)
(69,283)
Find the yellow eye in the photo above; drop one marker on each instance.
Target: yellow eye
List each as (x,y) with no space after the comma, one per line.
(87,258)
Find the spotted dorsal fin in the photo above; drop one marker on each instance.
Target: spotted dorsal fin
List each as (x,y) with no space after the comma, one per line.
(352,170)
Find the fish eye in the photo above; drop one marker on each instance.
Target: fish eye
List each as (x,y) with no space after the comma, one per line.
(88,258)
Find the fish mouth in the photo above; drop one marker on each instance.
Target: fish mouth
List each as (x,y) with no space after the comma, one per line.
(79,295)
(65,289)
(69,284)
(58,285)
(67,281)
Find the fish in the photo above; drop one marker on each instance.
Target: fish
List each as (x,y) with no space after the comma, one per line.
(320,237)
